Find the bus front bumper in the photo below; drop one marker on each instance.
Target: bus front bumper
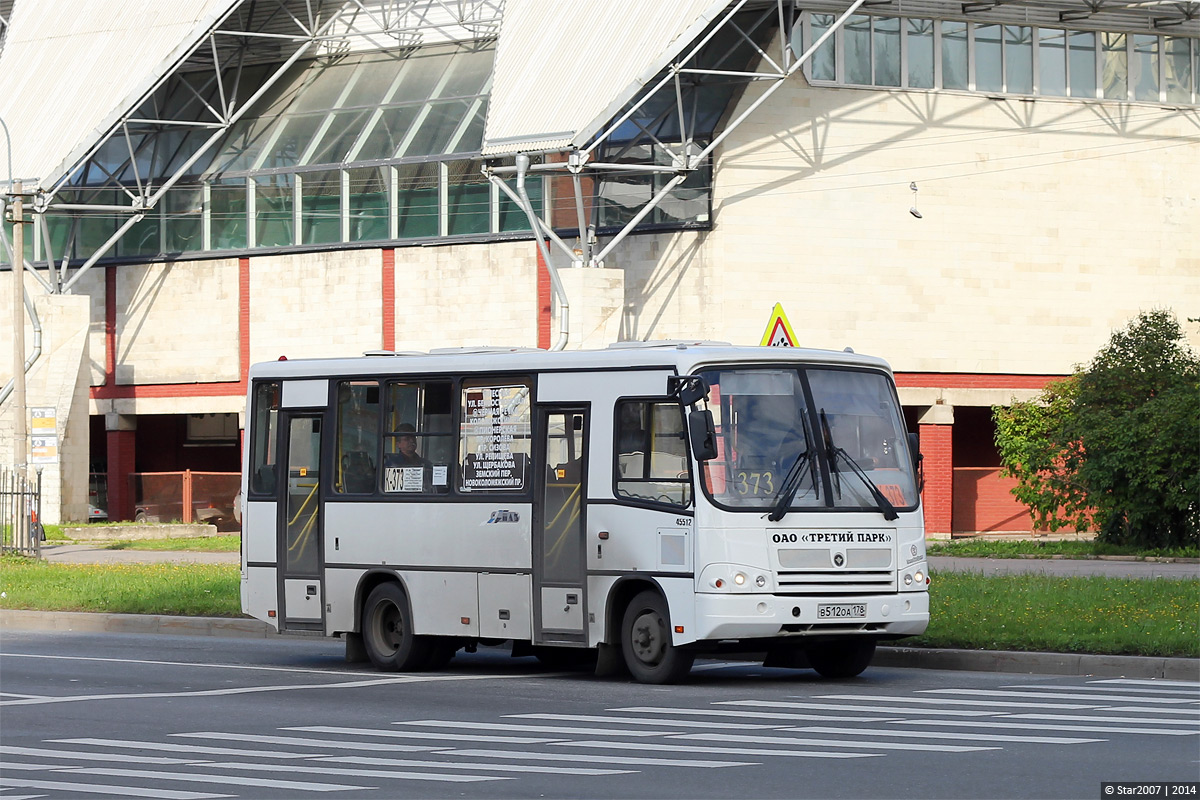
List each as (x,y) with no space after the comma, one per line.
(760,616)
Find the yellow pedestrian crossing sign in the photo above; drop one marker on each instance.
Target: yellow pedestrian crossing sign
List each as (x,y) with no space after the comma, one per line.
(779,331)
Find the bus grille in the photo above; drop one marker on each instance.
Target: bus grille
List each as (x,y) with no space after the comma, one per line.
(836,582)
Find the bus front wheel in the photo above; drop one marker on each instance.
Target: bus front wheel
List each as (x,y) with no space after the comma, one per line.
(387,631)
(844,659)
(646,641)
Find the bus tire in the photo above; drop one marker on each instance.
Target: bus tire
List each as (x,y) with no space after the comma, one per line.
(387,631)
(844,659)
(646,641)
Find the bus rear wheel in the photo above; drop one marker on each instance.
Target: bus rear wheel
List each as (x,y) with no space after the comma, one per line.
(845,659)
(646,642)
(388,633)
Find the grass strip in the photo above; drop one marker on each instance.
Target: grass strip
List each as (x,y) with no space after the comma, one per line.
(203,590)
(991,548)
(1122,616)
(1115,616)
(221,543)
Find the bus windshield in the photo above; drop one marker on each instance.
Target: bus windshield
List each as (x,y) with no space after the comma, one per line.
(796,438)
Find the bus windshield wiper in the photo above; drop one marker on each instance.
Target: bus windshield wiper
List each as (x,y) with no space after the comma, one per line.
(833,453)
(805,461)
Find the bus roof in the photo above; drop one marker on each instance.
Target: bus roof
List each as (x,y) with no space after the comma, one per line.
(680,356)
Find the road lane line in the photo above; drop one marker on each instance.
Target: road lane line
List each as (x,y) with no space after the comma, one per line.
(182,748)
(419,734)
(955,735)
(100,788)
(301,741)
(1187,712)
(948,701)
(235,780)
(1086,718)
(1037,727)
(500,726)
(1193,690)
(674,723)
(364,773)
(1150,682)
(792,740)
(85,756)
(607,759)
(952,712)
(1064,695)
(736,751)
(719,712)
(404,762)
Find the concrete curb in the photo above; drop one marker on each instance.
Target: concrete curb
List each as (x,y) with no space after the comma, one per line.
(1078,664)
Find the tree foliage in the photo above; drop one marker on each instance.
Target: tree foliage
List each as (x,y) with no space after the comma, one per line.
(1115,447)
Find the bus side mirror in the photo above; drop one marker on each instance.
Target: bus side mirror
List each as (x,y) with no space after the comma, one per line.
(703,434)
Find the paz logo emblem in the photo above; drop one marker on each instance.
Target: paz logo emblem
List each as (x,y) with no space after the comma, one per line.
(838,559)
(503,515)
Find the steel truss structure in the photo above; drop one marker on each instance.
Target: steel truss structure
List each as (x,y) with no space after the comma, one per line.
(254,33)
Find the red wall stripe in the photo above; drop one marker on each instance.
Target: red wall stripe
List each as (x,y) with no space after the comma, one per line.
(543,302)
(110,326)
(389,298)
(968,380)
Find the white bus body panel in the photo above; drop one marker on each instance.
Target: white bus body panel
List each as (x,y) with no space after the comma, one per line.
(302,599)
(305,394)
(258,531)
(340,586)
(433,534)
(505,611)
(639,539)
(440,601)
(260,594)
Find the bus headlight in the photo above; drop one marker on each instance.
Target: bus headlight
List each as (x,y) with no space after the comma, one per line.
(739,579)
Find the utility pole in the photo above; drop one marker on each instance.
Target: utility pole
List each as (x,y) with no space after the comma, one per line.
(18,315)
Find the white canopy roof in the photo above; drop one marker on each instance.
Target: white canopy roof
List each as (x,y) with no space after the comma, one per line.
(563,70)
(72,70)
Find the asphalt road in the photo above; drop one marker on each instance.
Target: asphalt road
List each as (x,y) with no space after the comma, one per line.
(87,715)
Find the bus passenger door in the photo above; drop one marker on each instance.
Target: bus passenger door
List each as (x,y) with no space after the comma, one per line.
(559,527)
(299,527)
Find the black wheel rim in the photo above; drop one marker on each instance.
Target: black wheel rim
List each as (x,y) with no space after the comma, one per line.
(648,640)
(388,627)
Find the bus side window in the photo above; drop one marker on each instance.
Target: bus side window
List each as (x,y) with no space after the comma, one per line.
(651,452)
(418,440)
(357,457)
(495,436)
(263,438)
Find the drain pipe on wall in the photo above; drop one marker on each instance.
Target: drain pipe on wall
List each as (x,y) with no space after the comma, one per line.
(33,317)
(564,314)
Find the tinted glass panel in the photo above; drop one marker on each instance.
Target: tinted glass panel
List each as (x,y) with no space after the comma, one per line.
(321,207)
(856,35)
(886,42)
(988,74)
(919,40)
(356,459)
(1018,59)
(1115,65)
(1143,72)
(1178,70)
(824,61)
(1052,62)
(1083,64)
(954,55)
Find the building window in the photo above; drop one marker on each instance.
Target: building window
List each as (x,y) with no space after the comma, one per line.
(1001,58)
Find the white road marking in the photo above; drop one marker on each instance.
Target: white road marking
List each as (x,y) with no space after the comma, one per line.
(1194,689)
(183,748)
(420,735)
(674,723)
(794,740)
(22,696)
(1150,682)
(955,735)
(363,773)
(100,788)
(717,712)
(332,744)
(1087,718)
(737,751)
(86,756)
(948,702)
(953,712)
(500,726)
(403,762)
(608,759)
(235,780)
(1063,695)
(1188,712)
(1036,727)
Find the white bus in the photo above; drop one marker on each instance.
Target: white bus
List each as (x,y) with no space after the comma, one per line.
(643,504)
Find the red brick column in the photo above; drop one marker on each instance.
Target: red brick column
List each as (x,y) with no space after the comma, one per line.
(389,298)
(120,466)
(543,301)
(938,497)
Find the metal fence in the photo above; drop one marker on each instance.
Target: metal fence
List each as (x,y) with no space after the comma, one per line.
(21,512)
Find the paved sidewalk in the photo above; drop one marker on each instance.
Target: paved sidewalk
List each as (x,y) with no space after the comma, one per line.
(98,554)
